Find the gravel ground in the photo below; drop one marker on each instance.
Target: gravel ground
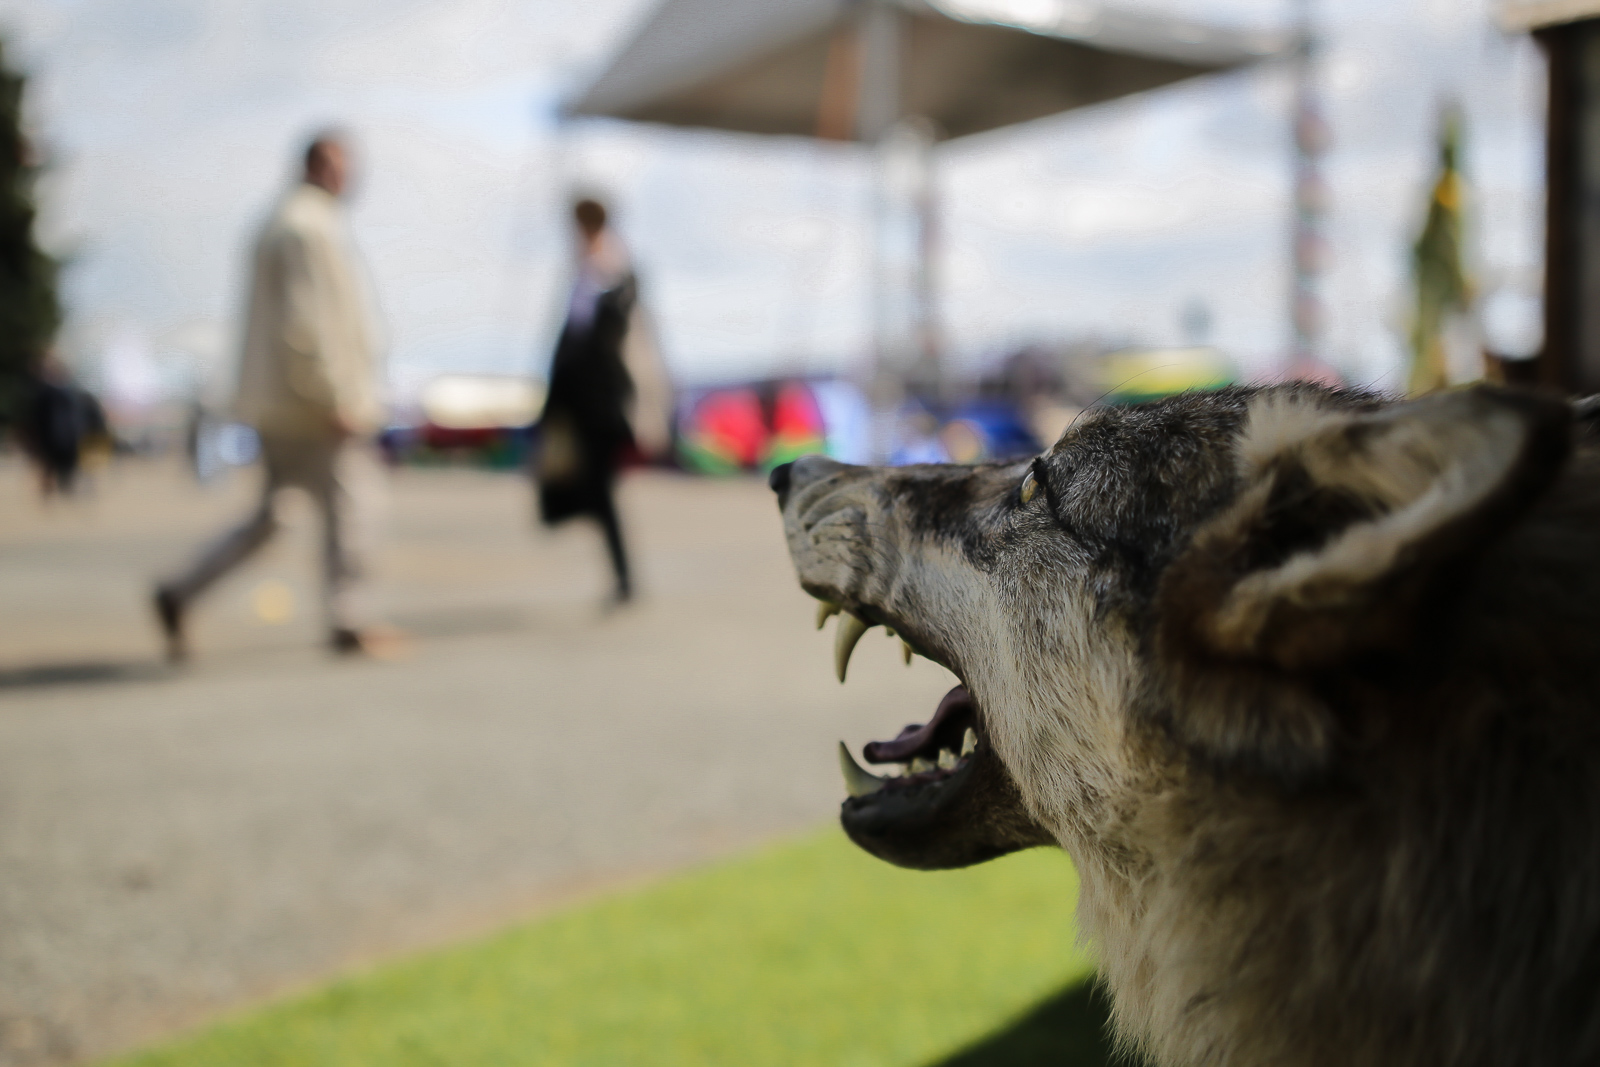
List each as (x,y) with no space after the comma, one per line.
(178,843)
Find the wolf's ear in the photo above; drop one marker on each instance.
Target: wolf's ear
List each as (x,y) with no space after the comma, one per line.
(1347,532)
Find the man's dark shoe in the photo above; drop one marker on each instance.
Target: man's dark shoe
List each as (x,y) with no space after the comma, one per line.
(170,614)
(378,642)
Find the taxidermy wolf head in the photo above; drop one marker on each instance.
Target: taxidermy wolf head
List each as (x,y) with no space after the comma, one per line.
(1306,682)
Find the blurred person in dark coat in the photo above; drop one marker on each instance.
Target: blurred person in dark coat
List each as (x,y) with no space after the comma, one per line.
(606,392)
(58,419)
(309,384)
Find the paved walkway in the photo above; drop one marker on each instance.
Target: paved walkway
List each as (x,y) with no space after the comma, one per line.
(173,844)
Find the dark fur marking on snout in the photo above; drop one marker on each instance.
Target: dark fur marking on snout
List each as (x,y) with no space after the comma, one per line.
(957,505)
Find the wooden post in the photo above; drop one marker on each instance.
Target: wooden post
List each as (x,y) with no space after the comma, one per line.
(1570,360)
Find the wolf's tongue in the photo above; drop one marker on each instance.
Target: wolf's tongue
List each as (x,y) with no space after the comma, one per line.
(954,710)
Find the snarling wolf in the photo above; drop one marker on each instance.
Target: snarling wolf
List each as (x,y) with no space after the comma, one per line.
(1306,682)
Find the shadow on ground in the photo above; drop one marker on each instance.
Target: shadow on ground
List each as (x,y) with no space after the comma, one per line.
(446,623)
(96,673)
(1071,1029)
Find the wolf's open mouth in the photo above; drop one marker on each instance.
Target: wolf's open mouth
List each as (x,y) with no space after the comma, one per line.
(944,801)
(932,754)
(953,801)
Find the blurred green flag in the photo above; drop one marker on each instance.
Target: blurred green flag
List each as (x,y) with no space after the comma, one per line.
(1436,266)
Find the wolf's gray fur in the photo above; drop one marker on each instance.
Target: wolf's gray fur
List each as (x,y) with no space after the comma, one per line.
(1305,682)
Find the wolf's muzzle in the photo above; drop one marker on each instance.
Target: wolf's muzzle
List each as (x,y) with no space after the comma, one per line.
(799,474)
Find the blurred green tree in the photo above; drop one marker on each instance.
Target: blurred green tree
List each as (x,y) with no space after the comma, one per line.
(30,311)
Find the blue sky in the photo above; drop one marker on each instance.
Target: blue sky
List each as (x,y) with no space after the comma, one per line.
(171,125)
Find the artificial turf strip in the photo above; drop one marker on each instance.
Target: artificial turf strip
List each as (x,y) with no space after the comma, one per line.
(805,953)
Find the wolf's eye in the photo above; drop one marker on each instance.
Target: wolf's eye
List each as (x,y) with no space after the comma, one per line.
(1030,488)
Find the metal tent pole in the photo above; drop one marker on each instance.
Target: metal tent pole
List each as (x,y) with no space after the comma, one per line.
(1308,310)
(877,112)
(926,374)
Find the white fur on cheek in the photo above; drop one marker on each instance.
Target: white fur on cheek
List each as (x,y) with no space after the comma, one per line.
(1055,695)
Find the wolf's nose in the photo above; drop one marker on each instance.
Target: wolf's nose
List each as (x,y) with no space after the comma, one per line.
(799,474)
(779,479)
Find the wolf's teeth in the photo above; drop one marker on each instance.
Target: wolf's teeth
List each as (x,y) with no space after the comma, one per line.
(844,642)
(857,782)
(905,651)
(947,760)
(920,765)
(888,631)
(826,609)
(969,742)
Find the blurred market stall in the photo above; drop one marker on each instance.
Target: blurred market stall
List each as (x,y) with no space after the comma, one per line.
(479,420)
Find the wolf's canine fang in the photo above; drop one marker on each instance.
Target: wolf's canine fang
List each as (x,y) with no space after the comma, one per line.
(1307,683)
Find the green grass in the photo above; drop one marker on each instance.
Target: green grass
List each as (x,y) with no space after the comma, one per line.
(806,953)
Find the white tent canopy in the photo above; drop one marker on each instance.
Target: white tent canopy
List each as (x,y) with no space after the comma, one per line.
(859,69)
(778,66)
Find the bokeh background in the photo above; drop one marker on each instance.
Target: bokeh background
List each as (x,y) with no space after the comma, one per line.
(547,831)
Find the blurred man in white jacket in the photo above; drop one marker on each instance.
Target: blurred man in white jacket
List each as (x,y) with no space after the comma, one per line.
(309,382)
